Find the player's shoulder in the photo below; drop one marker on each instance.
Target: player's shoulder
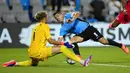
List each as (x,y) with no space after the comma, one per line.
(36,26)
(46,26)
(62,28)
(43,25)
(68,14)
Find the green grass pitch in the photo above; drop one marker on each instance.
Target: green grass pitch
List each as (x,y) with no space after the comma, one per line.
(105,60)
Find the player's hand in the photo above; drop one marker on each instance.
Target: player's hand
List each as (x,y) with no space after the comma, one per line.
(125,12)
(68,45)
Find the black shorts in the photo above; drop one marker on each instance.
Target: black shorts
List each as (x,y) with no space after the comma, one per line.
(90,33)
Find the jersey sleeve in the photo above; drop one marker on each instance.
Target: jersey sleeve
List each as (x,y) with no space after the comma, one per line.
(32,37)
(47,32)
(63,32)
(67,16)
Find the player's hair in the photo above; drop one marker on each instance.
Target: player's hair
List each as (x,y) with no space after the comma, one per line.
(40,15)
(55,14)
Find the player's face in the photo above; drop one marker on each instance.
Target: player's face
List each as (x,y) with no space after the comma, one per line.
(45,19)
(59,17)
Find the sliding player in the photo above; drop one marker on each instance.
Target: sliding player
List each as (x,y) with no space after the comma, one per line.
(38,50)
(83,31)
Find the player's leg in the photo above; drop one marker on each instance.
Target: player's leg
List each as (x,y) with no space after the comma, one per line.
(119,19)
(32,62)
(109,42)
(77,53)
(69,54)
(76,50)
(113,43)
(84,36)
(76,39)
(65,51)
(114,24)
(97,36)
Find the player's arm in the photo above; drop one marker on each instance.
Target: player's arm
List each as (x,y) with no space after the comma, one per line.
(49,38)
(53,41)
(60,38)
(124,2)
(62,33)
(74,16)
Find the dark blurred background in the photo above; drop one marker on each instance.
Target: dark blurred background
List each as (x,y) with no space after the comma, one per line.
(23,11)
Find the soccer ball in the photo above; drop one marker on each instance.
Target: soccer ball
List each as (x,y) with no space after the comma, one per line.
(70,61)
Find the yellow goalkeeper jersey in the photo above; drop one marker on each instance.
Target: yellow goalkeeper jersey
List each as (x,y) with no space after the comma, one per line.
(40,35)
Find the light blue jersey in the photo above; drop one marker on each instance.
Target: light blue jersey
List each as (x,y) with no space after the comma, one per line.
(75,27)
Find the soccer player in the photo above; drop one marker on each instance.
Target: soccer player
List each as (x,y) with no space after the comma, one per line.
(38,50)
(124,15)
(83,31)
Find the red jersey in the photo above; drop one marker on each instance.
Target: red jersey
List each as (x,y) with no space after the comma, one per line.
(128,5)
(121,18)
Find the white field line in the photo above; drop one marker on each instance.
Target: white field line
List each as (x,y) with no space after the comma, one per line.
(110,65)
